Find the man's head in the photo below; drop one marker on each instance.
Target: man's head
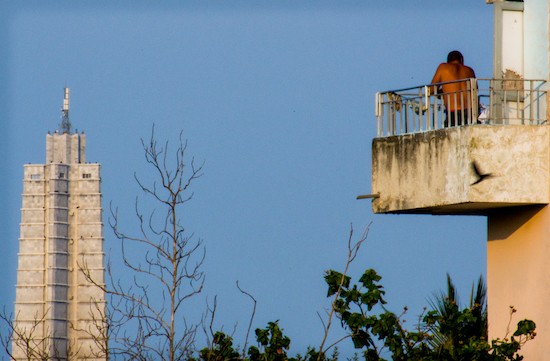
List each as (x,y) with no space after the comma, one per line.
(455,55)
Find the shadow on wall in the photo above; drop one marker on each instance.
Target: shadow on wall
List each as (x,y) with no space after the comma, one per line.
(504,222)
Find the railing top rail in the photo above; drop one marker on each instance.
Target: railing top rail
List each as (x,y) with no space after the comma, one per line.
(423,86)
(508,79)
(542,81)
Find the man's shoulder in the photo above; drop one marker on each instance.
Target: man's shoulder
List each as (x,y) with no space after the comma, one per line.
(443,68)
(469,70)
(450,67)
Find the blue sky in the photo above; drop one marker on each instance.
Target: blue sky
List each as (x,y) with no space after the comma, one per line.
(277,99)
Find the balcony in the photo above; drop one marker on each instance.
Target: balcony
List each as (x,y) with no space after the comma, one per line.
(495,155)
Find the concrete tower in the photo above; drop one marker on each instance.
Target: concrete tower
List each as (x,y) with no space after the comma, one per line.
(497,165)
(59,312)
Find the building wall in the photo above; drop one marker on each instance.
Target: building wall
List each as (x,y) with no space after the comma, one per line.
(518,275)
(518,245)
(57,308)
(536,25)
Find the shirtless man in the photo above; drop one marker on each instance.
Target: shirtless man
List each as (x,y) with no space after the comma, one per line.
(456,95)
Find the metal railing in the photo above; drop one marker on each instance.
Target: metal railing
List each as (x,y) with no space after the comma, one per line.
(479,101)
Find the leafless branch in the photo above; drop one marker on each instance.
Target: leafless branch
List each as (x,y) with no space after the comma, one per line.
(147,317)
(251,318)
(27,341)
(353,250)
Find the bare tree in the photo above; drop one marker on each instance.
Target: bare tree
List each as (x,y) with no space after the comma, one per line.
(25,342)
(146,319)
(30,340)
(254,303)
(353,250)
(97,329)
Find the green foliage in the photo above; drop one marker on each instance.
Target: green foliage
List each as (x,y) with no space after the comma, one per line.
(453,330)
(221,349)
(272,344)
(446,332)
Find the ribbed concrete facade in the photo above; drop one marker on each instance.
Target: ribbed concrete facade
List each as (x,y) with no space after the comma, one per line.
(58,311)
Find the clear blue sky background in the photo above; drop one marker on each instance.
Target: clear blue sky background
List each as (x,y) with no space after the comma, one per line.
(277,98)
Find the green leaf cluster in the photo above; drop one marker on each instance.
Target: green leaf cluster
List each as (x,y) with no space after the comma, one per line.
(446,332)
(222,349)
(272,344)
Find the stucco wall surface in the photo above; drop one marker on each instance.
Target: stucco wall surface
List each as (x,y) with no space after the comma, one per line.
(518,275)
(433,172)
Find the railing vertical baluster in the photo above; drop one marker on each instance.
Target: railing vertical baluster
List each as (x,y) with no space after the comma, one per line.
(519,111)
(492,102)
(414,119)
(407,118)
(469,110)
(447,111)
(404,120)
(391,113)
(377,113)
(436,110)
(379,121)
(426,111)
(474,101)
(388,120)
(418,117)
(456,108)
(531,102)
(506,110)
(410,115)
(399,126)
(462,118)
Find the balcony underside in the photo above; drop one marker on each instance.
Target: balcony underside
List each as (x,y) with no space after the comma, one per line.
(470,208)
(438,172)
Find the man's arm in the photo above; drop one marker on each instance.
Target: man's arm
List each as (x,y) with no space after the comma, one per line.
(437,78)
(437,75)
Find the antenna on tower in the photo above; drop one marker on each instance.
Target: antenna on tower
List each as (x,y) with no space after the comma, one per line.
(65,123)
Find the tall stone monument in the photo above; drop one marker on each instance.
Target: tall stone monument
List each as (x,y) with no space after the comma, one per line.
(59,307)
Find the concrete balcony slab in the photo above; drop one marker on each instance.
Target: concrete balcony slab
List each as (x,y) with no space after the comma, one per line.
(461,170)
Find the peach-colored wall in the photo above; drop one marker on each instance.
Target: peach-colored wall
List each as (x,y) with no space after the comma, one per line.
(518,274)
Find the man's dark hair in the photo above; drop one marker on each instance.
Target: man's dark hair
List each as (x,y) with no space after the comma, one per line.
(455,55)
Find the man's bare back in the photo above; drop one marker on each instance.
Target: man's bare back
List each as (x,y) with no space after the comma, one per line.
(455,94)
